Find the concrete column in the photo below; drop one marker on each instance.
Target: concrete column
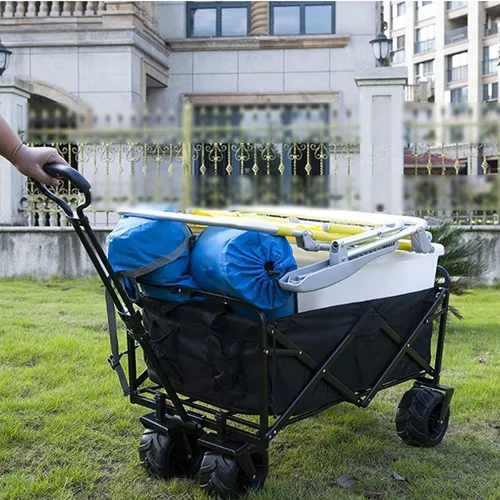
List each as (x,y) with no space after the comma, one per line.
(381,92)
(440,73)
(410,38)
(14,95)
(475,28)
(497,20)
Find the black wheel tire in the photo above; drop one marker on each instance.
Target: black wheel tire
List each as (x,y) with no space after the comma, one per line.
(417,418)
(222,477)
(162,456)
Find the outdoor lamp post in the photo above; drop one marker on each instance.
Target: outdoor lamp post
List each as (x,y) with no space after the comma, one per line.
(381,49)
(4,57)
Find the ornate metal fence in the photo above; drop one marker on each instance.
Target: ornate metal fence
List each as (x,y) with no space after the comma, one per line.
(452,162)
(305,154)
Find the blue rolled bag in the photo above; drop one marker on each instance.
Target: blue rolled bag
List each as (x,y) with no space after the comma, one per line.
(246,265)
(150,255)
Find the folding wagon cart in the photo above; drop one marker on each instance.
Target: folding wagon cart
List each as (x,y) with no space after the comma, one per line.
(220,385)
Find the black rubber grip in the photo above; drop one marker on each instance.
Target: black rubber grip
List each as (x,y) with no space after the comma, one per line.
(64,172)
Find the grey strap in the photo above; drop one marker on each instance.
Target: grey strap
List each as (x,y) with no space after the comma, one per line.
(162,261)
(114,359)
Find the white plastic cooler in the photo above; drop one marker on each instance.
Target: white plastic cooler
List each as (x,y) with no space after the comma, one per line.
(393,274)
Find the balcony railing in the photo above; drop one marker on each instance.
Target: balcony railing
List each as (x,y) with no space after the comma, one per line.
(51,9)
(490,66)
(398,56)
(455,36)
(427,78)
(457,74)
(490,29)
(424,46)
(33,12)
(455,5)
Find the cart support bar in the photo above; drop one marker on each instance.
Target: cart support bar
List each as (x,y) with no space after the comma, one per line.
(114,359)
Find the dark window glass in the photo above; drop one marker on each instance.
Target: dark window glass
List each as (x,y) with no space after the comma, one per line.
(234,21)
(490,91)
(286,20)
(209,19)
(302,18)
(204,22)
(318,19)
(459,95)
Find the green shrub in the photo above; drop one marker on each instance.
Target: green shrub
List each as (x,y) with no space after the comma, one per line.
(461,258)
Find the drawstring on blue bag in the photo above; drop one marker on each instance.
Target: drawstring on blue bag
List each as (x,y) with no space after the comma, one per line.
(274,276)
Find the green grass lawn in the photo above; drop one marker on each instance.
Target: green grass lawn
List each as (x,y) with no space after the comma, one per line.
(66,432)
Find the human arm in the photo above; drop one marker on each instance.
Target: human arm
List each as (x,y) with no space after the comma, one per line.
(29,161)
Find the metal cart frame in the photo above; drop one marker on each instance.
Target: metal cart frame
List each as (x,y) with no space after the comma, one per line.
(224,431)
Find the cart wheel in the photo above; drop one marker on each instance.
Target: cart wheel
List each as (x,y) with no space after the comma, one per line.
(162,456)
(221,476)
(417,418)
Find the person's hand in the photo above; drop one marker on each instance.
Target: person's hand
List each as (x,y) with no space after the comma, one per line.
(29,161)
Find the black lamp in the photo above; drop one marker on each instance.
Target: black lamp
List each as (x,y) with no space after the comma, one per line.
(4,57)
(381,49)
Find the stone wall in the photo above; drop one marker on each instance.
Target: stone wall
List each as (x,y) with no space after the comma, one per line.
(44,253)
(57,252)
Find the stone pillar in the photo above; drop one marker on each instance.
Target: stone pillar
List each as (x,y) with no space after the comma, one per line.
(381,93)
(259,18)
(14,95)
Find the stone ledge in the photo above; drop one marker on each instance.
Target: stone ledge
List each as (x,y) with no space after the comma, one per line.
(260,42)
(381,76)
(13,82)
(255,98)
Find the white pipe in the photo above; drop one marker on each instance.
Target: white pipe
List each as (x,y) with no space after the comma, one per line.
(202,220)
(327,215)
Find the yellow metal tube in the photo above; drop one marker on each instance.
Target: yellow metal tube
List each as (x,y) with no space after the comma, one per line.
(289,229)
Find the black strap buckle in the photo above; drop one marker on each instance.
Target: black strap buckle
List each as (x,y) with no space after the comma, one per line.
(114,361)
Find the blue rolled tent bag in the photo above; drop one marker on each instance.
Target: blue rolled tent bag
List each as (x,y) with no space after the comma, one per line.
(246,265)
(154,254)
(151,255)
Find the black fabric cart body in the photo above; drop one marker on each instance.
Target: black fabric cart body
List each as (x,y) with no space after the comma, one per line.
(210,371)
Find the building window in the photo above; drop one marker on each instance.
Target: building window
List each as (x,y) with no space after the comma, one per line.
(398,54)
(459,95)
(455,5)
(424,39)
(302,18)
(490,91)
(425,10)
(398,9)
(490,59)
(490,27)
(209,19)
(457,67)
(424,70)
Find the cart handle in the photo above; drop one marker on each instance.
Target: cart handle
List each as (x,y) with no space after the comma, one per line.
(76,178)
